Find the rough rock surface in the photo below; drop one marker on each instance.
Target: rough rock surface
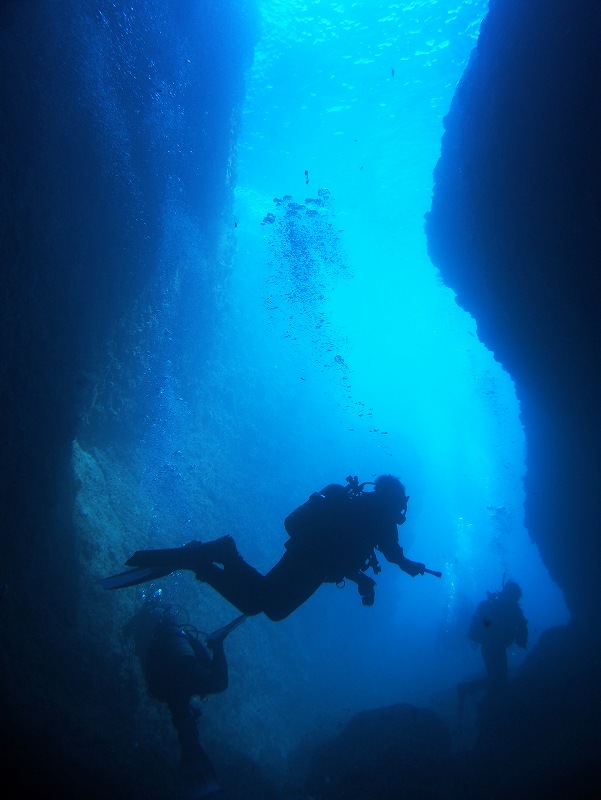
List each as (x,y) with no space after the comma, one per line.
(515,230)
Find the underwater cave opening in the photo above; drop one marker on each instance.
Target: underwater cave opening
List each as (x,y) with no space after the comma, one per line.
(361,360)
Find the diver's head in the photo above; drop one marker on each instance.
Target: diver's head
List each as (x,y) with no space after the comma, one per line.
(152,615)
(392,496)
(512,591)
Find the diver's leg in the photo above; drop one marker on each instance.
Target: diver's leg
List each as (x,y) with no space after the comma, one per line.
(238,583)
(285,587)
(184,722)
(465,690)
(495,660)
(289,584)
(196,772)
(235,580)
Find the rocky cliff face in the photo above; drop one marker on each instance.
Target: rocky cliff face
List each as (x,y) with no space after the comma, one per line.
(112,133)
(515,230)
(109,117)
(110,123)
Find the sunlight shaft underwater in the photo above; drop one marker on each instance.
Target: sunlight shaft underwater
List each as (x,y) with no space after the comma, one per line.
(338,349)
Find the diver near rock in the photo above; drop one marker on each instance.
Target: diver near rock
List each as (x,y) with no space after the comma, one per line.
(333,538)
(498,622)
(176,668)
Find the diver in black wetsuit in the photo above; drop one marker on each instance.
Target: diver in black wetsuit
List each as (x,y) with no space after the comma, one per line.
(332,538)
(497,623)
(176,667)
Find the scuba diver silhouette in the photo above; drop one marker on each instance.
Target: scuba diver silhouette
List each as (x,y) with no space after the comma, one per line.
(333,538)
(497,623)
(176,668)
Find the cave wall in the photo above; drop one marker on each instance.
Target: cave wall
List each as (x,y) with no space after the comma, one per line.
(515,230)
(110,113)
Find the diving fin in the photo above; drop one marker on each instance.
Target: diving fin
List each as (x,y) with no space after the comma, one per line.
(132,577)
(220,634)
(157,558)
(185,557)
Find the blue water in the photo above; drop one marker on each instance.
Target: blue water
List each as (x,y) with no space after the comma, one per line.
(338,350)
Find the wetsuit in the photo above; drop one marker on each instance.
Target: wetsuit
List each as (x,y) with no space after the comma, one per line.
(176,667)
(334,544)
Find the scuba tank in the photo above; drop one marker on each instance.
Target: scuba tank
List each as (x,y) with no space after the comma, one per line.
(331,504)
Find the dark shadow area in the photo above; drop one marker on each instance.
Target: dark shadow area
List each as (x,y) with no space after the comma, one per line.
(108,116)
(536,739)
(514,229)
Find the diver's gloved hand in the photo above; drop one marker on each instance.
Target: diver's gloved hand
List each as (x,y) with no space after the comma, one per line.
(412,568)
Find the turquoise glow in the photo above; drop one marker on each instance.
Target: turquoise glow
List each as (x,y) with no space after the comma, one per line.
(362,358)
(338,351)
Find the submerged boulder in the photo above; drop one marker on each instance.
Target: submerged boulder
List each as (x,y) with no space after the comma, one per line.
(398,752)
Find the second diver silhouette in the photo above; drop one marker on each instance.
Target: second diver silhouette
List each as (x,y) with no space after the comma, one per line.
(498,622)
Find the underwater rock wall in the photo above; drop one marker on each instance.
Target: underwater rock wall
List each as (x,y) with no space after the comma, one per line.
(515,231)
(109,111)
(115,119)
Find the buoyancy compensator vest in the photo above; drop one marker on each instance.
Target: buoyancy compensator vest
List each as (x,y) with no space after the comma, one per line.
(323,524)
(332,503)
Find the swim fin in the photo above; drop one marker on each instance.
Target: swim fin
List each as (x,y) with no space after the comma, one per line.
(132,577)
(185,557)
(220,634)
